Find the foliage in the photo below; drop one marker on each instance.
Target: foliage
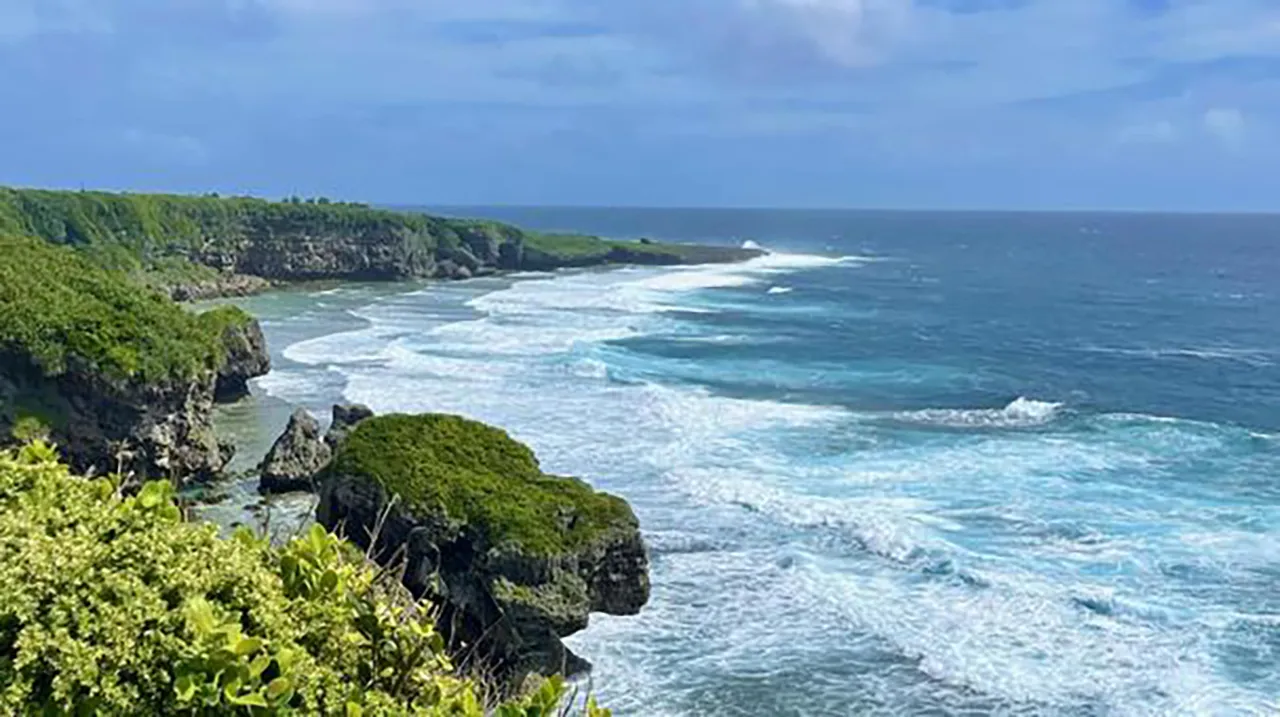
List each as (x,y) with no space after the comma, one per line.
(479,475)
(165,240)
(56,307)
(165,237)
(218,320)
(115,605)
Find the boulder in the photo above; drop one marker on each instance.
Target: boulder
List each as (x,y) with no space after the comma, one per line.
(297,456)
(345,417)
(513,558)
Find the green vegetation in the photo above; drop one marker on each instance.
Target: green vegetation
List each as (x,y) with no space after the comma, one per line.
(478,475)
(116,605)
(162,238)
(150,226)
(218,320)
(169,240)
(58,308)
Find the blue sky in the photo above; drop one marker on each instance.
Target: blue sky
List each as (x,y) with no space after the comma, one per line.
(1164,104)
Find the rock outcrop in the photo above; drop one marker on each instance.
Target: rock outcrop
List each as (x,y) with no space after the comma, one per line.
(148,430)
(223,285)
(345,417)
(514,558)
(246,358)
(297,456)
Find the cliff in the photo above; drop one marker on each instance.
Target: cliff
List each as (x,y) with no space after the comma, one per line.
(244,348)
(514,559)
(120,377)
(196,247)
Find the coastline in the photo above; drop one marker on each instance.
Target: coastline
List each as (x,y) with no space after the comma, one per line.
(254,422)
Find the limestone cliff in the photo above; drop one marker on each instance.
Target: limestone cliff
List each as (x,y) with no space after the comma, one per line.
(516,559)
(199,247)
(120,377)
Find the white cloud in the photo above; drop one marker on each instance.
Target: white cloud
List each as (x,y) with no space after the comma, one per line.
(1227,125)
(851,33)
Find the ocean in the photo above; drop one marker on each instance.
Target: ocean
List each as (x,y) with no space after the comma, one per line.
(906,464)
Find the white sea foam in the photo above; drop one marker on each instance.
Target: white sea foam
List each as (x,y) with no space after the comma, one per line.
(1248,356)
(786,541)
(780,290)
(694,280)
(1021,413)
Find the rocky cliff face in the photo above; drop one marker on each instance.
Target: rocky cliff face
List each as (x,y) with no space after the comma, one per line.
(246,358)
(228,284)
(157,430)
(285,250)
(506,601)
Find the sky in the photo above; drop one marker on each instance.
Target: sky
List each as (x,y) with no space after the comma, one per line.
(952,104)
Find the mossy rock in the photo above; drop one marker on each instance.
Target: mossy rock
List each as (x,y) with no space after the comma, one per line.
(478,476)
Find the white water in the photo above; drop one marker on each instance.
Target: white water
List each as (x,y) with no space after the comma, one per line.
(815,559)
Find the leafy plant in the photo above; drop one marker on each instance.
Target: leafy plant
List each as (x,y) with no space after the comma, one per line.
(115,605)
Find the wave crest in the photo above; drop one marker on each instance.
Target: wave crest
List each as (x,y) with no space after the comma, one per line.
(1021,413)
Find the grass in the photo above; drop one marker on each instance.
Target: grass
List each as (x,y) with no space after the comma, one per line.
(479,475)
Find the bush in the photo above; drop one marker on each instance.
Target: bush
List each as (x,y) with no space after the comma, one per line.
(115,605)
(479,476)
(57,307)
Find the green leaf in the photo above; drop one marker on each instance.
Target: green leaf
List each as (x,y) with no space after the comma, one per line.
(186,688)
(251,699)
(152,495)
(354,710)
(279,687)
(285,659)
(259,666)
(247,646)
(329,582)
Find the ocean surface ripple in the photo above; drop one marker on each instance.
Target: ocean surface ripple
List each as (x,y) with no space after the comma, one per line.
(980,467)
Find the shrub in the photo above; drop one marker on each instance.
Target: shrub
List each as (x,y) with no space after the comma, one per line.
(115,605)
(478,475)
(57,307)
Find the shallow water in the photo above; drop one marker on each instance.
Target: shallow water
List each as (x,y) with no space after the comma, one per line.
(909,464)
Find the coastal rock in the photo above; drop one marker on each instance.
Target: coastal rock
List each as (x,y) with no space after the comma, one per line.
(515,559)
(345,417)
(226,285)
(102,425)
(247,357)
(297,456)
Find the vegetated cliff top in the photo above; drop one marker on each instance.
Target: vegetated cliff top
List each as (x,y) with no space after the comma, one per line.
(478,475)
(57,307)
(172,238)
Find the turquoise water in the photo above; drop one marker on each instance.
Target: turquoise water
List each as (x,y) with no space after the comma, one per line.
(908,464)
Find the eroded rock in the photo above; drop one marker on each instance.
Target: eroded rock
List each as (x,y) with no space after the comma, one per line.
(515,559)
(297,456)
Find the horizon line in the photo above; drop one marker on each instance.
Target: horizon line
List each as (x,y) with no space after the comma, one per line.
(883,210)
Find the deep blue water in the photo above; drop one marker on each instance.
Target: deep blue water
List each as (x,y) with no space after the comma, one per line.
(907,464)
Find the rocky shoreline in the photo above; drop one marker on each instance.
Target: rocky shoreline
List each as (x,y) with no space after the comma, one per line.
(513,559)
(506,598)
